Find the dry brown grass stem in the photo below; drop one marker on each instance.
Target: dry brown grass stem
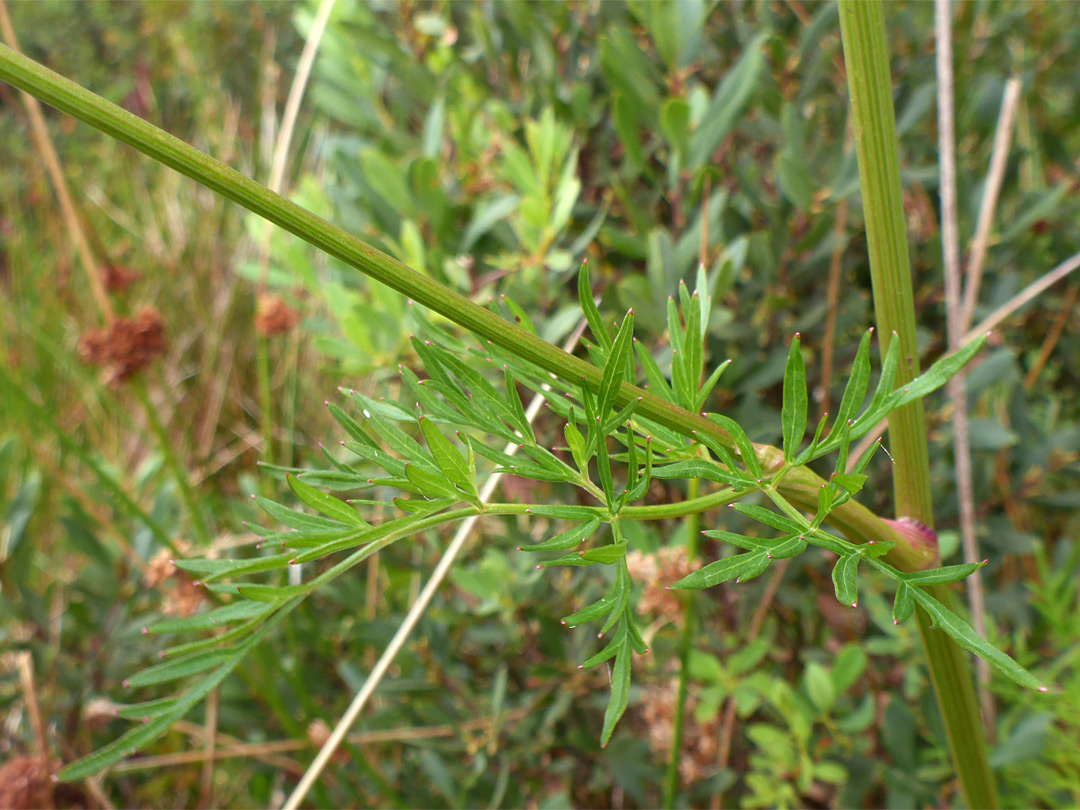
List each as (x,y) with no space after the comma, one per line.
(284,137)
(39,134)
(269,752)
(994,177)
(957,388)
(206,785)
(24,662)
(1068,308)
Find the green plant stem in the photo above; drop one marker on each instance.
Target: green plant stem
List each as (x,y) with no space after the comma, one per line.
(68,97)
(266,418)
(691,506)
(686,644)
(178,472)
(866,58)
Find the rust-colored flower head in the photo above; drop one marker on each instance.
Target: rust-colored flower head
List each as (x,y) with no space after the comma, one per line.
(118,278)
(26,783)
(273,316)
(127,346)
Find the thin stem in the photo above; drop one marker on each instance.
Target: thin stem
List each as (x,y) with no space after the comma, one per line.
(1068,308)
(686,645)
(178,472)
(691,506)
(994,178)
(266,416)
(950,245)
(867,58)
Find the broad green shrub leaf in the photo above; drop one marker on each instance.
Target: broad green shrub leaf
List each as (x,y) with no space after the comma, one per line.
(728,103)
(819,687)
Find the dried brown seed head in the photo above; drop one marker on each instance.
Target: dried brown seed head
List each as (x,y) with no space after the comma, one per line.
(127,346)
(273,316)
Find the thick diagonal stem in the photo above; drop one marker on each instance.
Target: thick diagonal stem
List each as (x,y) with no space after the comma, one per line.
(855,520)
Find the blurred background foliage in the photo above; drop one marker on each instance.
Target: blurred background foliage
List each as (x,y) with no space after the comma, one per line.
(492,146)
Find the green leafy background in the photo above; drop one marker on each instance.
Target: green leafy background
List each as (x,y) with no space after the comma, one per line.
(492,146)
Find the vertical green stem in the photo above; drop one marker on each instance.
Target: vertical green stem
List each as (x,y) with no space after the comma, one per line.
(266,416)
(178,472)
(671,783)
(862,26)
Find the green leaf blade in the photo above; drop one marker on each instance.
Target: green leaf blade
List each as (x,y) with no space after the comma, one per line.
(794,410)
(741,567)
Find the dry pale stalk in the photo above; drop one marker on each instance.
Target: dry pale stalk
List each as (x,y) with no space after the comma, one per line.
(950,245)
(994,177)
(39,132)
(1068,308)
